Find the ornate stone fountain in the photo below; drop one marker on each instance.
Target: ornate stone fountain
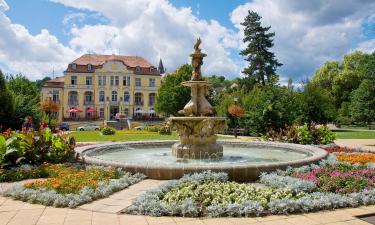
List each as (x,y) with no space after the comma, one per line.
(198,128)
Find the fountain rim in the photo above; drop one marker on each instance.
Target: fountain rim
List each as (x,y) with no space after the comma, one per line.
(316,154)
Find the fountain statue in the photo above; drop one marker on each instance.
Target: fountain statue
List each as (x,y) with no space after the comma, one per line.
(198,128)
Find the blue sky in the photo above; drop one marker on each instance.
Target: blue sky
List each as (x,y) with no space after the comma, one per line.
(42,35)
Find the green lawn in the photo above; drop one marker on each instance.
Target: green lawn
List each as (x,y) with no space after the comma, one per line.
(123,135)
(126,135)
(350,134)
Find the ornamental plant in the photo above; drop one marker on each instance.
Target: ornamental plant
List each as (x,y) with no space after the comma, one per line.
(106,130)
(341,178)
(361,158)
(332,149)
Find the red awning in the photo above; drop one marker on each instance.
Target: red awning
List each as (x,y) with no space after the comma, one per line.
(74,110)
(90,109)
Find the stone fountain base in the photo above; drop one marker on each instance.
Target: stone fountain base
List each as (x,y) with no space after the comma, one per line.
(197,137)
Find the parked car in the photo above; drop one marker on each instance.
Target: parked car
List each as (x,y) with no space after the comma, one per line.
(88,127)
(142,127)
(64,126)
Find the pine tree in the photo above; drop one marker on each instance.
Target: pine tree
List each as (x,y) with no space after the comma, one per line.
(263,64)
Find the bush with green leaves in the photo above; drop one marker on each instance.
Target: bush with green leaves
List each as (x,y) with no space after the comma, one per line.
(106,130)
(312,134)
(165,130)
(35,148)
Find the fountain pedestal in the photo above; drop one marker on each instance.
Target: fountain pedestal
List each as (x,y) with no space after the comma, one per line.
(198,137)
(198,129)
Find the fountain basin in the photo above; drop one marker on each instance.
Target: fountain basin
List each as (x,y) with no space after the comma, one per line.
(243,161)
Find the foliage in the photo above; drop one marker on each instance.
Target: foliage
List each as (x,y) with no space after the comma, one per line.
(315,105)
(363,102)
(236,110)
(23,173)
(106,130)
(313,134)
(165,130)
(49,107)
(6,103)
(291,183)
(361,158)
(224,193)
(36,148)
(263,64)
(57,192)
(340,178)
(26,100)
(268,107)
(172,95)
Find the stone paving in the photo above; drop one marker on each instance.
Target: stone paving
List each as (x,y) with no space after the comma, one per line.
(368,144)
(122,199)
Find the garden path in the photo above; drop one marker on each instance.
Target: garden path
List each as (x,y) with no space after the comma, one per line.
(368,144)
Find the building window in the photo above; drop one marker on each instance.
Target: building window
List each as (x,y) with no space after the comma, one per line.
(151,99)
(89,80)
(124,81)
(73,98)
(101,112)
(74,66)
(137,69)
(55,96)
(138,99)
(126,112)
(128,80)
(126,96)
(101,96)
(112,80)
(88,98)
(114,96)
(73,80)
(151,82)
(117,81)
(102,80)
(138,82)
(89,67)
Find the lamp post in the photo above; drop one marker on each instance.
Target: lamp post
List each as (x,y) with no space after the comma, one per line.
(236,127)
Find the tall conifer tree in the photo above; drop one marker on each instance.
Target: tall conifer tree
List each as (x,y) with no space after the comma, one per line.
(262,63)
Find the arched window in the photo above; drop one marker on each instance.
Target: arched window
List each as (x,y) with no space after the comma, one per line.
(114,96)
(88,98)
(89,67)
(126,96)
(137,69)
(73,98)
(151,99)
(101,96)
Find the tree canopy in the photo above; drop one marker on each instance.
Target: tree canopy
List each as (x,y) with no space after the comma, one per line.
(6,103)
(262,62)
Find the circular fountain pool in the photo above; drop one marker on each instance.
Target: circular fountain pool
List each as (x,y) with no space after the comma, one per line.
(242,161)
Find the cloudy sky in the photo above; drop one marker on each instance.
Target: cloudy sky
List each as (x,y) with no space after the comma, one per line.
(39,36)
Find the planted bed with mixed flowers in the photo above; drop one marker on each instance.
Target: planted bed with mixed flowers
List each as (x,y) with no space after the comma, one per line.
(70,185)
(331,183)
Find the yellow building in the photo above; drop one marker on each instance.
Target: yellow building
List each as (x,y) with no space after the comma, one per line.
(103,86)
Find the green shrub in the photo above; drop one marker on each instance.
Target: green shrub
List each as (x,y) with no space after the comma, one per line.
(153,128)
(23,173)
(35,148)
(106,130)
(305,134)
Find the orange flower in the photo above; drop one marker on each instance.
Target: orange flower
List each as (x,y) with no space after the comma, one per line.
(357,158)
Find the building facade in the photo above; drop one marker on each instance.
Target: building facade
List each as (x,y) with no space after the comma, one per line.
(103,86)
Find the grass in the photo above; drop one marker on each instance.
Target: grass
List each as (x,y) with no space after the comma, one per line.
(126,135)
(121,135)
(359,127)
(350,134)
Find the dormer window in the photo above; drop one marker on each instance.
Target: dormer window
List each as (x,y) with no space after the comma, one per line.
(151,69)
(74,66)
(137,69)
(89,67)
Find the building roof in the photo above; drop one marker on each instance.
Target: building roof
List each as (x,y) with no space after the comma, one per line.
(57,82)
(97,61)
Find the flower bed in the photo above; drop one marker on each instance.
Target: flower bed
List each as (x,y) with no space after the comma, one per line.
(332,149)
(361,158)
(324,186)
(70,186)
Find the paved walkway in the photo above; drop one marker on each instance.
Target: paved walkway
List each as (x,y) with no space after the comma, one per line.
(368,144)
(21,213)
(122,199)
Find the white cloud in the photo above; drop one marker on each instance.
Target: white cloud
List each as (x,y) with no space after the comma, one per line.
(152,29)
(308,33)
(34,56)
